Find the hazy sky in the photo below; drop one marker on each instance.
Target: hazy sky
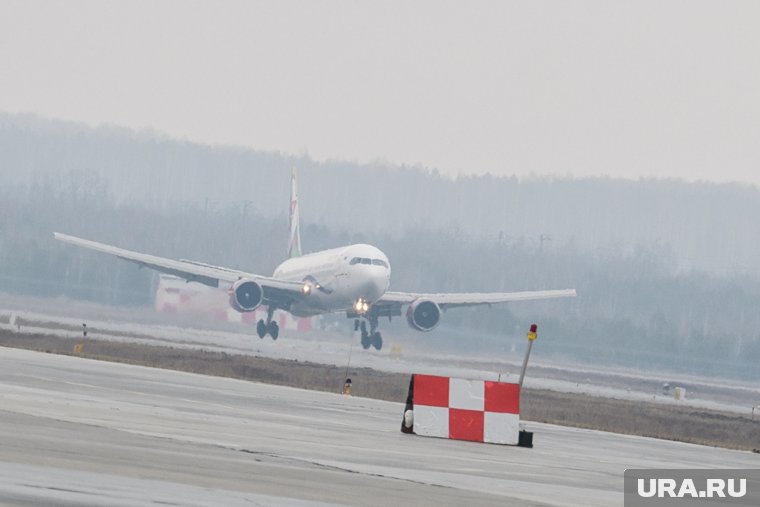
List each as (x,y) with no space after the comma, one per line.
(668,88)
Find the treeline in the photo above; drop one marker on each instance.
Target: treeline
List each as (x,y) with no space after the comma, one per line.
(702,226)
(635,308)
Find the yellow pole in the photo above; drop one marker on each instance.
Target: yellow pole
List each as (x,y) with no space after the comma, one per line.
(532,335)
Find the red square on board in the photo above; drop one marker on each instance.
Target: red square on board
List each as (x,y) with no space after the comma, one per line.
(431,390)
(502,397)
(466,424)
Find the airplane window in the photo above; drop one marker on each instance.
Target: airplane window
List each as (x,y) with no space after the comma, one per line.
(379,262)
(355,260)
(366,261)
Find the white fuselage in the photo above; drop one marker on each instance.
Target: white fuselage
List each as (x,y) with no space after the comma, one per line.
(338,278)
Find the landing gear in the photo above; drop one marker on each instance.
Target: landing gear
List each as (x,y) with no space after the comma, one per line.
(274,330)
(377,340)
(371,338)
(261,328)
(269,326)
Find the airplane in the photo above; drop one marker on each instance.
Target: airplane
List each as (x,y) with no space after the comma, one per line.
(353,279)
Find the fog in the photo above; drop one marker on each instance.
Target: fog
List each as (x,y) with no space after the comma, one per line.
(666,270)
(588,88)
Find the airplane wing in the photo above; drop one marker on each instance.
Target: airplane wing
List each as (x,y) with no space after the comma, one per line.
(453,300)
(278,292)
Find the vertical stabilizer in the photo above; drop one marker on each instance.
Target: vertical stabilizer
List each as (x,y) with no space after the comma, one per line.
(294,245)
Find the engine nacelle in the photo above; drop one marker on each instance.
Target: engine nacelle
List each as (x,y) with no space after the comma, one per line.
(246,295)
(423,315)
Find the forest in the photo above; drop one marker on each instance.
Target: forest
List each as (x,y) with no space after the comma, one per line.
(665,270)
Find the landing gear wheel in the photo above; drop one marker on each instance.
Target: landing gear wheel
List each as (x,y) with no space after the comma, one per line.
(261,328)
(366,342)
(274,330)
(377,340)
(363,327)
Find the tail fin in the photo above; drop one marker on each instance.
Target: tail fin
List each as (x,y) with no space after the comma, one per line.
(294,246)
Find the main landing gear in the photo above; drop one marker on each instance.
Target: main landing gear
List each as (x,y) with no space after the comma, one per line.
(373,338)
(269,327)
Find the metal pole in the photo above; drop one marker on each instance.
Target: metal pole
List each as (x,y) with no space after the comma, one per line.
(348,364)
(532,335)
(347,386)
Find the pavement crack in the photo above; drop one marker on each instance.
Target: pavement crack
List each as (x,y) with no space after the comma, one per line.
(63,490)
(336,468)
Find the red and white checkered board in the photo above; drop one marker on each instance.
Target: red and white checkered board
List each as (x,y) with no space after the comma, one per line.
(477,410)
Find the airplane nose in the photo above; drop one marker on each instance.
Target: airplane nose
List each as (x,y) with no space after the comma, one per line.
(374,286)
(379,285)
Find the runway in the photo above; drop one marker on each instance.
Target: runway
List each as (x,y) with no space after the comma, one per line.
(84,432)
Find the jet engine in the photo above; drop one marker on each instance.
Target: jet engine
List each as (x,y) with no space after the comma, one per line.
(246,295)
(423,315)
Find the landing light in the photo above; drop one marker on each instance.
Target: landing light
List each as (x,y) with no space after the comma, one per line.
(306,289)
(361,306)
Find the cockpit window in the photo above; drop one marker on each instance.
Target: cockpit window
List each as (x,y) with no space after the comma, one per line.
(364,260)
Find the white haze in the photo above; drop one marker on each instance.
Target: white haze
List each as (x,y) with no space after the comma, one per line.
(632,89)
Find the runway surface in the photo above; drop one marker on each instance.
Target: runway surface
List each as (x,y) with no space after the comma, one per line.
(83,432)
